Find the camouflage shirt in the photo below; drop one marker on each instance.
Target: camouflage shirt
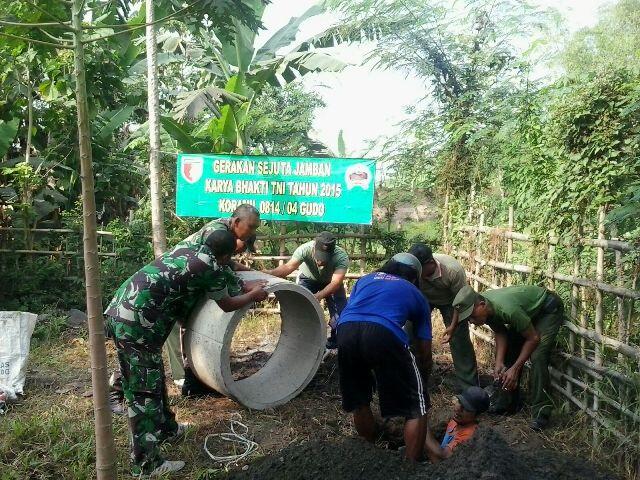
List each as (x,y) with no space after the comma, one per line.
(166,290)
(197,239)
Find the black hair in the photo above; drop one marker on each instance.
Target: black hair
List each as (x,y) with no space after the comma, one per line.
(400,270)
(221,242)
(422,252)
(244,211)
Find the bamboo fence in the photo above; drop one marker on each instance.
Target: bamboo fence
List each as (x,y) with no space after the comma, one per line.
(598,357)
(55,243)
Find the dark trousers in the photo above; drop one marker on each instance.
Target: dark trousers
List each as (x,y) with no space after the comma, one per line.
(462,352)
(335,302)
(547,323)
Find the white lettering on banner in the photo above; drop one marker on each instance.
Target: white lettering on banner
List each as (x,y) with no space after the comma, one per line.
(311,209)
(277,188)
(303,189)
(218,186)
(274,168)
(260,187)
(233,166)
(226,205)
(315,169)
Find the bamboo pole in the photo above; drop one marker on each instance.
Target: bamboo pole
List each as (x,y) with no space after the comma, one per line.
(593,370)
(602,340)
(575,294)
(624,247)
(596,418)
(599,314)
(620,301)
(510,243)
(551,281)
(573,381)
(363,251)
(283,231)
(445,223)
(105,447)
(477,252)
(159,236)
(585,282)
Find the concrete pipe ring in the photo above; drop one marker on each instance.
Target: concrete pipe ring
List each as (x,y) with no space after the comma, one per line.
(294,362)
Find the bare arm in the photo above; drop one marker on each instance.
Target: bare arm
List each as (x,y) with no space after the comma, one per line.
(239,267)
(510,377)
(501,350)
(285,269)
(433,449)
(333,286)
(450,330)
(229,304)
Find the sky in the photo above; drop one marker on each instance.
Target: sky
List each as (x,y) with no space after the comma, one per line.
(368,104)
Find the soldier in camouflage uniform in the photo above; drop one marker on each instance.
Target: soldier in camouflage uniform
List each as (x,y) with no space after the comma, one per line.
(242,224)
(139,318)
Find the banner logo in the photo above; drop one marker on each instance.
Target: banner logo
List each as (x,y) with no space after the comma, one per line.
(192,168)
(358,175)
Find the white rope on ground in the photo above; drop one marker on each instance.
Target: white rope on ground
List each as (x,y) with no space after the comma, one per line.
(238,437)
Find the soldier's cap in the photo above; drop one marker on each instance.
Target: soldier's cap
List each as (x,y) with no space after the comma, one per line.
(410,260)
(474,399)
(464,302)
(325,245)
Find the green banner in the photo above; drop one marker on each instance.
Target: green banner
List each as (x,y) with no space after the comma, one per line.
(328,190)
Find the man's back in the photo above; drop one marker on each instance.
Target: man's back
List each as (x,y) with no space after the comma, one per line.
(389,301)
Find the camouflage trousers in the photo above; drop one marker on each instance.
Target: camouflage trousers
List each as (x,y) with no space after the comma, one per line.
(150,420)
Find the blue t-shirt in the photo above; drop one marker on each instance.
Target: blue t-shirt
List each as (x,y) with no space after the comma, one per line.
(389,301)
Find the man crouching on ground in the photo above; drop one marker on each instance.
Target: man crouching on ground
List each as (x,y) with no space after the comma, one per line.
(373,351)
(139,318)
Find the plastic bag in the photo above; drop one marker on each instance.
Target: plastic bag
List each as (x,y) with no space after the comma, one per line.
(15,340)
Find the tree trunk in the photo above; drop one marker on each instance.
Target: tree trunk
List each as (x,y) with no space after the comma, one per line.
(105,449)
(157,220)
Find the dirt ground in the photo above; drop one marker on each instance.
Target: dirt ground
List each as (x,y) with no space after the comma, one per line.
(49,433)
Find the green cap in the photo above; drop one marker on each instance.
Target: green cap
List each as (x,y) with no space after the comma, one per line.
(464,302)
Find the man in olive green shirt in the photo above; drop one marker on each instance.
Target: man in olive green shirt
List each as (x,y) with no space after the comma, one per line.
(526,320)
(442,278)
(323,266)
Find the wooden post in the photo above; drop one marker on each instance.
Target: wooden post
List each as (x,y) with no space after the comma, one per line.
(445,223)
(620,301)
(283,231)
(599,315)
(510,245)
(478,253)
(575,299)
(363,250)
(551,263)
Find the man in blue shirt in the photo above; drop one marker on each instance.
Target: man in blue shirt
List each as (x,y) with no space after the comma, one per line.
(373,350)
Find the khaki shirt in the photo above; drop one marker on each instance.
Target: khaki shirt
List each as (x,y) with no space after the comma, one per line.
(309,268)
(443,286)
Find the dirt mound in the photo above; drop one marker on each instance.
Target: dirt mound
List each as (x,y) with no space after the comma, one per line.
(487,456)
(321,460)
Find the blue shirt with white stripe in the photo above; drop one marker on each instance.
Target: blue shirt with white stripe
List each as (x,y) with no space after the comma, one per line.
(389,301)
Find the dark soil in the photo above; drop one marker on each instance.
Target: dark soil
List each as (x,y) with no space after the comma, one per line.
(246,364)
(487,456)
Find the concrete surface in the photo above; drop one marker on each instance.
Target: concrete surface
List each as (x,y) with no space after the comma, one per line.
(293,363)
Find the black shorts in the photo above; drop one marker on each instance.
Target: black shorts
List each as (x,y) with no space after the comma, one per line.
(369,355)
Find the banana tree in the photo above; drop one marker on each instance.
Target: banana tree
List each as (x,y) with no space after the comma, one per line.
(244,70)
